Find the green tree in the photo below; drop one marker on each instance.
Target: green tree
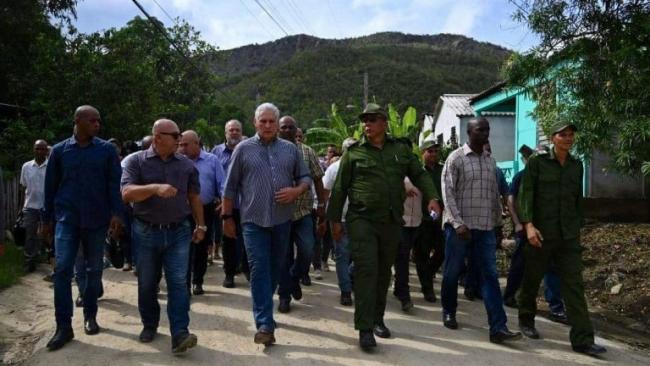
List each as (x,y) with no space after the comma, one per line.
(591,68)
(331,131)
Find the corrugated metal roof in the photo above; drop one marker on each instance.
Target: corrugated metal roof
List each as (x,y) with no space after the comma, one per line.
(458,103)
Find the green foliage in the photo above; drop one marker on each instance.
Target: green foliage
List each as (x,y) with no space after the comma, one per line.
(210,134)
(333,131)
(591,68)
(132,75)
(313,73)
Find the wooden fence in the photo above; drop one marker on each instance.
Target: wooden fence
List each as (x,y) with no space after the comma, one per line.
(14,196)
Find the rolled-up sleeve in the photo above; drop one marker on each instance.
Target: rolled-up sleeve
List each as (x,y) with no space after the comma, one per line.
(301,172)
(526,196)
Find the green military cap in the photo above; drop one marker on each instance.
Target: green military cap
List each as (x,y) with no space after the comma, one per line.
(428,144)
(373,108)
(560,126)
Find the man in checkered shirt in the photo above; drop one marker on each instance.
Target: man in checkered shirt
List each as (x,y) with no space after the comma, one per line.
(471,197)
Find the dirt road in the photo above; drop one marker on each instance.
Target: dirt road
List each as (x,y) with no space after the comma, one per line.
(318,331)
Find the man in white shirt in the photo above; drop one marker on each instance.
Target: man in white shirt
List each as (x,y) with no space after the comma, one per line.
(32,178)
(341,247)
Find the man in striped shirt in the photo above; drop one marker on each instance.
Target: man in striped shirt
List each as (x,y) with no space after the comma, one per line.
(268,174)
(302,227)
(472,210)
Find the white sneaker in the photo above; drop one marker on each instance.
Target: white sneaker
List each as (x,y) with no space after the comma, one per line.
(318,275)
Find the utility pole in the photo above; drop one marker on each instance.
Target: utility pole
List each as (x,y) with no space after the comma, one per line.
(365,89)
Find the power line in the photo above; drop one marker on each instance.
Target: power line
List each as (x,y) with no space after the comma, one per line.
(173,44)
(256,18)
(279,15)
(296,12)
(272,18)
(165,11)
(329,6)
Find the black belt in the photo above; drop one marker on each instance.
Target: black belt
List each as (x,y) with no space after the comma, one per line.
(170,226)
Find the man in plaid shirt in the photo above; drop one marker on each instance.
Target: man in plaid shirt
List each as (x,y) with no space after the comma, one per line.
(302,225)
(472,210)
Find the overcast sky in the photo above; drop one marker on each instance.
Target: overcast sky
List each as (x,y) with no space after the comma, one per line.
(232,23)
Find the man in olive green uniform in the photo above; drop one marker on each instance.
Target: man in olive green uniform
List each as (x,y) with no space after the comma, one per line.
(371,175)
(430,234)
(550,208)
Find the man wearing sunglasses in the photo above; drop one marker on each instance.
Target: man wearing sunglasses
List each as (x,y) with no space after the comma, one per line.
(164,187)
(371,175)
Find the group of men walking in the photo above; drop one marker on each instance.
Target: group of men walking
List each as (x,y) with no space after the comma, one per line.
(257,194)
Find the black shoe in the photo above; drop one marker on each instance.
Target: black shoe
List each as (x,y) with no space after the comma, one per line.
(346,298)
(198,289)
(591,350)
(264,337)
(297,292)
(469,294)
(79,302)
(306,280)
(183,342)
(60,338)
(381,330)
(407,305)
(504,335)
(449,321)
(229,281)
(367,340)
(559,317)
(90,326)
(284,306)
(510,302)
(430,297)
(528,331)
(147,335)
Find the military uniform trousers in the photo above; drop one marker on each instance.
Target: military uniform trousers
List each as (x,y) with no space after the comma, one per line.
(568,260)
(373,248)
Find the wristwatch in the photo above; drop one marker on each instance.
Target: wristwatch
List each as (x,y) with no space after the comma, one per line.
(202,228)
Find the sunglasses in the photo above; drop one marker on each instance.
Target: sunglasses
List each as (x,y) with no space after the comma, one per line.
(174,135)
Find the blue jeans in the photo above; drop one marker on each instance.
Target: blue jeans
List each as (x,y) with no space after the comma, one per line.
(168,248)
(267,251)
(302,234)
(80,275)
(67,239)
(342,254)
(516,273)
(484,256)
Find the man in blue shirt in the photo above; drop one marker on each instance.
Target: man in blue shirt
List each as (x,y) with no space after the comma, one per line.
(211,178)
(267,173)
(82,196)
(234,254)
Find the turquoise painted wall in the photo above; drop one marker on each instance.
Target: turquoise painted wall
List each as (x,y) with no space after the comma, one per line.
(526,127)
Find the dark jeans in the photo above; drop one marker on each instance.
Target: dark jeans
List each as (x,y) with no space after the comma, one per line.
(81,277)
(168,248)
(407,241)
(267,251)
(198,261)
(234,253)
(430,237)
(33,244)
(302,235)
(516,273)
(484,256)
(322,247)
(66,241)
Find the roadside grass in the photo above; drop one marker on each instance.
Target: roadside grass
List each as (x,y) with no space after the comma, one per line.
(11,265)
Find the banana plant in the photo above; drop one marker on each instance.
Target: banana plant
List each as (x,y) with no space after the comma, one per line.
(335,132)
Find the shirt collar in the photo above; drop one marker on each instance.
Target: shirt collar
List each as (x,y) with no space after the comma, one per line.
(73,141)
(35,164)
(387,138)
(551,153)
(468,150)
(259,139)
(151,153)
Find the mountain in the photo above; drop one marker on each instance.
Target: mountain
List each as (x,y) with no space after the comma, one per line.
(304,75)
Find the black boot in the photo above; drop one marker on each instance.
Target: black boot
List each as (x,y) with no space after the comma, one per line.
(60,338)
